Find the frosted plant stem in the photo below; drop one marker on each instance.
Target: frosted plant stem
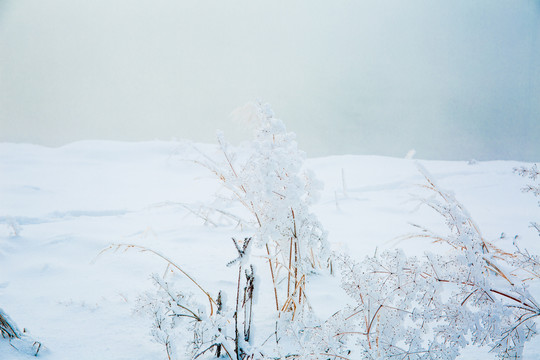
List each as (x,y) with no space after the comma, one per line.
(273,278)
(236,336)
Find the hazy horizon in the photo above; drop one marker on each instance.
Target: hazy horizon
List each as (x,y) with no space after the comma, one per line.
(451,79)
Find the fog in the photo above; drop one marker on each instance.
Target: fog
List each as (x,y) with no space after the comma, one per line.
(450,79)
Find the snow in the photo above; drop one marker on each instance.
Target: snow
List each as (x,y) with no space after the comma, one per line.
(60,207)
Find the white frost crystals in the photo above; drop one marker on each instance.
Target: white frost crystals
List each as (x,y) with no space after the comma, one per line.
(431,307)
(534,174)
(275,191)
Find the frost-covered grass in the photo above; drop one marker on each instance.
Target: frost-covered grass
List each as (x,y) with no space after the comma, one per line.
(60,207)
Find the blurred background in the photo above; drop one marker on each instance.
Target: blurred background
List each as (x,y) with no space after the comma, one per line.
(453,79)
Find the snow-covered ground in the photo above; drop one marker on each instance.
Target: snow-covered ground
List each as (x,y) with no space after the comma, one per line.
(59,208)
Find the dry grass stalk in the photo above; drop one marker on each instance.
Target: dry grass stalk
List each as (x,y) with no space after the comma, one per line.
(7,330)
(126,247)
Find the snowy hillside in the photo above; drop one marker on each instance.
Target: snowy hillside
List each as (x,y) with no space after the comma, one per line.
(60,207)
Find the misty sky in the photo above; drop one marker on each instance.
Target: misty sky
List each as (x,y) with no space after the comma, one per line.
(455,79)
